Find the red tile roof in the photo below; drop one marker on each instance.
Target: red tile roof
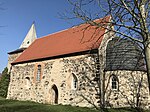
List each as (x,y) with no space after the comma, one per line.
(77,39)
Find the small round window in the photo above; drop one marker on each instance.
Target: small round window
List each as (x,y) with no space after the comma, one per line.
(28,42)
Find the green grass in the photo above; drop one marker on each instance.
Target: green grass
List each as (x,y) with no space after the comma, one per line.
(26,106)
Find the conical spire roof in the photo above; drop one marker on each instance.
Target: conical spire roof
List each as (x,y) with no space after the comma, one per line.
(30,37)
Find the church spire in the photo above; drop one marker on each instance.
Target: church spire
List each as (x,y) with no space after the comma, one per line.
(30,37)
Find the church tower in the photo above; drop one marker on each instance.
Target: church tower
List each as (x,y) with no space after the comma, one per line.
(28,40)
(30,37)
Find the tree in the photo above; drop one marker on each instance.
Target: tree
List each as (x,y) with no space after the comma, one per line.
(129,19)
(4,82)
(87,70)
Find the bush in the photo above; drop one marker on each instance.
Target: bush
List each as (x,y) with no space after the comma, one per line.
(4,82)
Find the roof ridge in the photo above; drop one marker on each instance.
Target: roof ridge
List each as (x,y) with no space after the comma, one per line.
(71,28)
(61,31)
(48,46)
(53,33)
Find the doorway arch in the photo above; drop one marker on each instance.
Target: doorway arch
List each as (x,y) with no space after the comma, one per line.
(54,94)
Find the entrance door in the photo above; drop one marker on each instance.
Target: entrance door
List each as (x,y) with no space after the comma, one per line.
(54,95)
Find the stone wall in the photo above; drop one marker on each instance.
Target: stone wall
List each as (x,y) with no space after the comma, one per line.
(58,72)
(132,89)
(11,58)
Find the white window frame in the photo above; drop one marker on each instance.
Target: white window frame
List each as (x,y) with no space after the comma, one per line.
(114,82)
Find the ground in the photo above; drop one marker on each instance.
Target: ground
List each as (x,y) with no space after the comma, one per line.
(25,106)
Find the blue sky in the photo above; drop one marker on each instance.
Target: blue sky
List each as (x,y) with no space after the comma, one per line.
(17,17)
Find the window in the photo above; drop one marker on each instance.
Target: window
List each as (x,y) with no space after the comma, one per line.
(27,82)
(114,82)
(28,42)
(38,77)
(74,81)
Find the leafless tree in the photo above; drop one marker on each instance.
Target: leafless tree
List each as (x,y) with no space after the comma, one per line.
(130,19)
(87,69)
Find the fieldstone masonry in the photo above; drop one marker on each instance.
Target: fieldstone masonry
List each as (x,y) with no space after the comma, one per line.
(11,58)
(132,89)
(59,72)
(23,84)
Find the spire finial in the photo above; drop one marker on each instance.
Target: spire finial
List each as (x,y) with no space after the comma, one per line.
(33,22)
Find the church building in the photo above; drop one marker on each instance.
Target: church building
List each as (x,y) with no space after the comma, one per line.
(81,66)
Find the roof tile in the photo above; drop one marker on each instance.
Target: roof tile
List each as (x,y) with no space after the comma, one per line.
(77,39)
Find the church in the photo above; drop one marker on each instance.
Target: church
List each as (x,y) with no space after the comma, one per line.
(79,66)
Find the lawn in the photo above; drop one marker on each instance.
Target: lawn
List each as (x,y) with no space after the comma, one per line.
(25,106)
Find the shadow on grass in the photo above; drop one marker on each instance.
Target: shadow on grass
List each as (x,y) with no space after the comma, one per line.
(27,106)
(127,110)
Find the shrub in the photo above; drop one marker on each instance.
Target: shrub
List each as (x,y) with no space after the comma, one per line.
(4,82)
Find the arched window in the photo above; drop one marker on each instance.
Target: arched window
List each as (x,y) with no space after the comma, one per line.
(114,82)
(27,82)
(38,76)
(74,82)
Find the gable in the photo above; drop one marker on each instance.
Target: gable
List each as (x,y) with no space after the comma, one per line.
(73,40)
